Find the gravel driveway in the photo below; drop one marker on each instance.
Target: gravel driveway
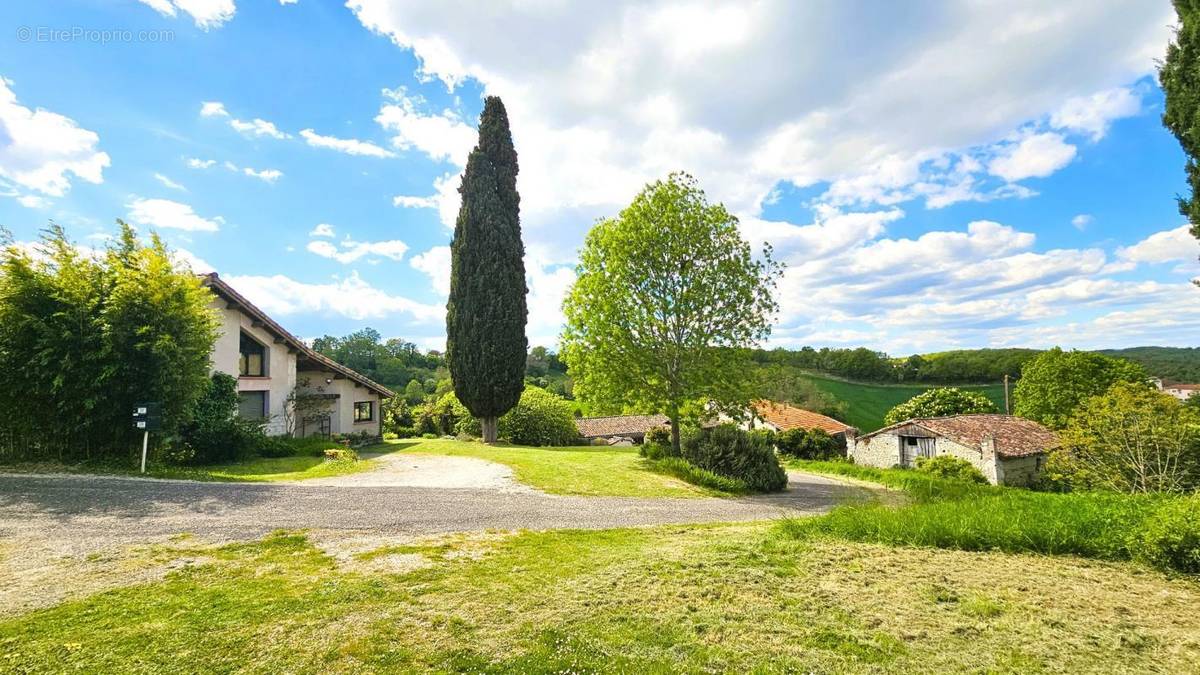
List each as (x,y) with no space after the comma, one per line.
(82,509)
(65,536)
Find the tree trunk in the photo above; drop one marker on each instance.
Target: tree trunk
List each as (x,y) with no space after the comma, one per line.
(675,445)
(489,426)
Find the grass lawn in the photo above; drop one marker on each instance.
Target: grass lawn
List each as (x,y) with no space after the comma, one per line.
(613,472)
(732,598)
(255,470)
(868,403)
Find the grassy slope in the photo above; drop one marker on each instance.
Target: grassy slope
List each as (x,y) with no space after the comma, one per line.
(868,403)
(570,471)
(732,598)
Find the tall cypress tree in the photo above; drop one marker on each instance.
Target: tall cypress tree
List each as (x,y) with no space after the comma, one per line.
(1179,76)
(486,313)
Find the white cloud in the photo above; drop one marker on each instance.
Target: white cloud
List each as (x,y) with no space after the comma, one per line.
(1166,246)
(167,214)
(411,202)
(288,2)
(442,136)
(350,297)
(1081,221)
(213,109)
(40,150)
(322,230)
(33,201)
(182,256)
(195,163)
(350,146)
(435,263)
(348,250)
(168,182)
(1093,114)
(257,127)
(206,13)
(267,175)
(1033,156)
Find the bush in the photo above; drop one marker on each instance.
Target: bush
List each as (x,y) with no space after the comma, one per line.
(765,436)
(430,436)
(341,455)
(686,471)
(659,436)
(311,446)
(940,402)
(216,434)
(271,446)
(949,466)
(808,444)
(657,444)
(390,436)
(539,418)
(405,432)
(1171,538)
(734,453)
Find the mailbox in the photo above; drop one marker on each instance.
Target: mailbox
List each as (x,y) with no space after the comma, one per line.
(147,416)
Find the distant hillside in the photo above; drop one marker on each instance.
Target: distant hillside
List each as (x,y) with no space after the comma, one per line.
(866,404)
(1180,364)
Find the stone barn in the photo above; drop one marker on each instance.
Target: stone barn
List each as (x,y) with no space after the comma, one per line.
(1008,450)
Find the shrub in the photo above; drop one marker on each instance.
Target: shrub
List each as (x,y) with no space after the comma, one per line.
(390,436)
(732,452)
(940,402)
(405,432)
(688,472)
(765,436)
(949,466)
(808,444)
(341,455)
(270,446)
(311,446)
(539,418)
(429,436)
(1171,538)
(657,444)
(216,434)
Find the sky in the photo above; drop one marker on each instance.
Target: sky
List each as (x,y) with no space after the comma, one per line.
(934,175)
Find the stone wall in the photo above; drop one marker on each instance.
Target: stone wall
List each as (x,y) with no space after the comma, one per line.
(1022,471)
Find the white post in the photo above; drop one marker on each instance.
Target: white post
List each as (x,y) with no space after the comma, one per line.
(145,442)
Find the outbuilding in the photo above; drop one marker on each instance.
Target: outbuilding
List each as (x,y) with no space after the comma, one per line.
(1008,450)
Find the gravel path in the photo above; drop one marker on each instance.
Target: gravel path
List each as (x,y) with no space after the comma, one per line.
(90,511)
(398,469)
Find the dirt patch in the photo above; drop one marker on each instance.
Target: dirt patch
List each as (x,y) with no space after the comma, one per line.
(401,554)
(429,471)
(36,573)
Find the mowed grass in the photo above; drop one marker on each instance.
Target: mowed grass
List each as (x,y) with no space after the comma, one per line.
(581,470)
(253,470)
(722,598)
(868,403)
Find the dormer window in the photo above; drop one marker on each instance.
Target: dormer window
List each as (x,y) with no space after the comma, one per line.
(252,358)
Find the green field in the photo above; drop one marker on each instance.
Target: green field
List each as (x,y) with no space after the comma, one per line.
(868,403)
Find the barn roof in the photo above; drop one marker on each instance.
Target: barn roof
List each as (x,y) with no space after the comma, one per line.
(784,417)
(1013,436)
(619,425)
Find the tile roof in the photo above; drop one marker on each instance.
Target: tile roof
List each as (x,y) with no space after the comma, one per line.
(784,417)
(226,292)
(1013,436)
(619,425)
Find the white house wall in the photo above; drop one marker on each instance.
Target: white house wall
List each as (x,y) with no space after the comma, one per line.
(281,365)
(342,408)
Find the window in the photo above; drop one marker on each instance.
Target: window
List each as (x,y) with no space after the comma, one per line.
(363,411)
(252,358)
(252,405)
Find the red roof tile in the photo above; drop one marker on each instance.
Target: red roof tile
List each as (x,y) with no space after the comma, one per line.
(784,417)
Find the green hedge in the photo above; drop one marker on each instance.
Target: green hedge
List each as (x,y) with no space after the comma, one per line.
(734,453)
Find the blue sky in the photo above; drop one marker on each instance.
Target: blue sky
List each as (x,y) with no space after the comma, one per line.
(952,177)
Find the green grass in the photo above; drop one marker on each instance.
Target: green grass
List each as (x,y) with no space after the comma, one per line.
(969,517)
(254,470)
(595,471)
(724,598)
(868,403)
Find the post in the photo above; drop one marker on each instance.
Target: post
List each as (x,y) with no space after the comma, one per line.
(1006,409)
(145,444)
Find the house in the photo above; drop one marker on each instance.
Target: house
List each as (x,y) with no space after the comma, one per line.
(283,381)
(1008,450)
(783,417)
(1177,389)
(633,427)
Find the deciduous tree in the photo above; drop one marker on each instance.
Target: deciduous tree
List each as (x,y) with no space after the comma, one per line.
(1055,383)
(940,402)
(668,300)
